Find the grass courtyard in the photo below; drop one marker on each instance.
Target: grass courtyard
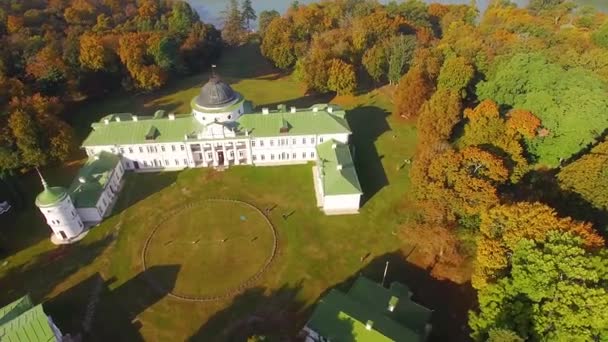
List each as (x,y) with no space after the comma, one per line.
(219,246)
(315,252)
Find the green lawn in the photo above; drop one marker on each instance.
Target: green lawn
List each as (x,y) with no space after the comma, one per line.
(218,245)
(316,252)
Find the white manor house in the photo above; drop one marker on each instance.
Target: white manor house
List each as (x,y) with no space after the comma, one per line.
(221,131)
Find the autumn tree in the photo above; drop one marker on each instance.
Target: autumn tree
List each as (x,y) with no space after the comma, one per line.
(504,226)
(588,176)
(413,90)
(455,75)
(400,52)
(555,290)
(375,61)
(277,44)
(342,78)
(39,136)
(266,17)
(232,32)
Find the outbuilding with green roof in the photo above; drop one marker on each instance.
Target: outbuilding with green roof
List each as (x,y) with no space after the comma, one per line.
(22,321)
(368,312)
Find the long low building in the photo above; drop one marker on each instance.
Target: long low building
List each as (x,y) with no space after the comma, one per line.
(221,131)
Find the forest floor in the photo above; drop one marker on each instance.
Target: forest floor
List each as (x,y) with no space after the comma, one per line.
(316,253)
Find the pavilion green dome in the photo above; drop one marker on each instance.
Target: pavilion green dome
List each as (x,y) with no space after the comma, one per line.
(51,196)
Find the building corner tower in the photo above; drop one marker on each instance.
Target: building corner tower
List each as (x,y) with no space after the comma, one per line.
(61,215)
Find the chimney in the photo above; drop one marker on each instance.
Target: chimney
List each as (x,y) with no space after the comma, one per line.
(339,167)
(118,119)
(171,116)
(106,121)
(265,111)
(392,303)
(315,109)
(369,325)
(135,118)
(330,109)
(293,109)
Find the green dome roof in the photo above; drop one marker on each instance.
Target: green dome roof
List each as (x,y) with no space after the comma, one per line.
(51,196)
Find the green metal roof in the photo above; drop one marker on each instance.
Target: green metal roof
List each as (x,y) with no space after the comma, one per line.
(125,131)
(51,196)
(343,317)
(302,122)
(330,154)
(95,173)
(23,322)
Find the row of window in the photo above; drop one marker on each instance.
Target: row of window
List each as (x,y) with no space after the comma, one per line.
(148,149)
(282,156)
(284,142)
(155,163)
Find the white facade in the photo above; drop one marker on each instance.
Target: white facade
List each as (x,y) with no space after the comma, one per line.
(106,200)
(62,217)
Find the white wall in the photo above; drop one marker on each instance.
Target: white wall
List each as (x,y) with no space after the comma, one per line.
(207,118)
(63,217)
(342,203)
(89,215)
(149,156)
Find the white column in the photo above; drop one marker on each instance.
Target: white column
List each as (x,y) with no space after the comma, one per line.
(226,156)
(248,151)
(215,163)
(237,160)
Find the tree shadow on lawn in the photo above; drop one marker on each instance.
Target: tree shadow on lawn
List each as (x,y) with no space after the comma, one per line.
(139,186)
(368,123)
(281,315)
(93,311)
(256,311)
(45,271)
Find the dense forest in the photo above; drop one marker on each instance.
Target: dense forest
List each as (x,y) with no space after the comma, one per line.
(511,168)
(56,52)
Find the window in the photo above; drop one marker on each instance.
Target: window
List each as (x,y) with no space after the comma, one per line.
(255,157)
(183,147)
(122,150)
(173,148)
(185,161)
(141,149)
(73,213)
(176,162)
(130,150)
(272,157)
(321,139)
(312,154)
(129,165)
(229,117)
(312,140)
(232,154)
(209,155)
(262,143)
(304,141)
(303,155)
(162,148)
(58,222)
(252,143)
(167,162)
(145,163)
(80,224)
(113,150)
(241,154)
(271,142)
(294,156)
(294,141)
(263,156)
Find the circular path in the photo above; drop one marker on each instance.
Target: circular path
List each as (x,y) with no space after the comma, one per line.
(220,246)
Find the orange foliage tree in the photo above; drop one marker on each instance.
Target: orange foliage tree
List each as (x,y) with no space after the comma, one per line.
(504,226)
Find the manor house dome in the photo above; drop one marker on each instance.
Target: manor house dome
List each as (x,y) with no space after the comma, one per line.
(216,94)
